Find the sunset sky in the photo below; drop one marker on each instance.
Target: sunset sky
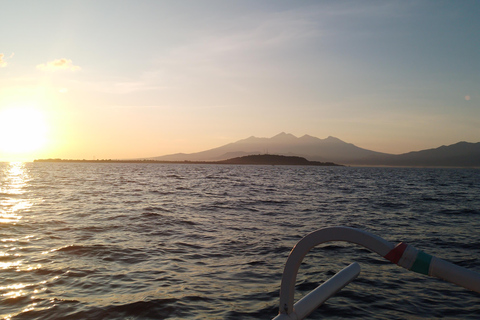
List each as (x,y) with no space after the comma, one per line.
(129,79)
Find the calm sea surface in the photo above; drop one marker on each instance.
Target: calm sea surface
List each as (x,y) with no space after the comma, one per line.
(153,241)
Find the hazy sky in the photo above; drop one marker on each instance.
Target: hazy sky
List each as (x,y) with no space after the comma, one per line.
(126,79)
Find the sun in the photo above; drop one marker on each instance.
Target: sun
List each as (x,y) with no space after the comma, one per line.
(22,130)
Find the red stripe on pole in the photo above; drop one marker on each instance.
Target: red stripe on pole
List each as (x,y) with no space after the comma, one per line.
(396,253)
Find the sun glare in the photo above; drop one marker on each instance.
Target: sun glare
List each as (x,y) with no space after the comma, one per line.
(22,130)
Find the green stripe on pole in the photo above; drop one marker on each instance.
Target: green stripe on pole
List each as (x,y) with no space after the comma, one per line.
(422,263)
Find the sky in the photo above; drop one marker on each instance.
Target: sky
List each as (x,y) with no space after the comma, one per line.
(118,79)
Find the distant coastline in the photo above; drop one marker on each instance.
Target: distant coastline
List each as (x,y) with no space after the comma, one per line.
(261,159)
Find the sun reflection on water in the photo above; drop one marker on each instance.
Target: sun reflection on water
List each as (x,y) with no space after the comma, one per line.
(14,201)
(13,182)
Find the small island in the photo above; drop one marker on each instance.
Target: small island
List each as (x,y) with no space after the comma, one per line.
(261,159)
(272,159)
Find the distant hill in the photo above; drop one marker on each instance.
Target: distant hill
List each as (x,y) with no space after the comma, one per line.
(331,149)
(461,154)
(270,159)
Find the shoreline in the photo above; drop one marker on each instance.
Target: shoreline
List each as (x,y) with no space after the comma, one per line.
(246,160)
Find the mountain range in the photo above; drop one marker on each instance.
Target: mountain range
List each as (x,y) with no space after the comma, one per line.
(331,149)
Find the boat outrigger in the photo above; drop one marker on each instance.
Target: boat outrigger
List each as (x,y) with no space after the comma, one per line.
(401,254)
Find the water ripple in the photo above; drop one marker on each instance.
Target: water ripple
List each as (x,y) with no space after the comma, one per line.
(148,241)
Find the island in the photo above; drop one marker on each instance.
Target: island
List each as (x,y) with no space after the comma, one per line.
(261,159)
(272,159)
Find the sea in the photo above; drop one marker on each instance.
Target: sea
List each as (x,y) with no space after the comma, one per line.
(200,241)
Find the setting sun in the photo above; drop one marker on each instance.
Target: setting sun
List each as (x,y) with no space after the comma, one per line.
(22,130)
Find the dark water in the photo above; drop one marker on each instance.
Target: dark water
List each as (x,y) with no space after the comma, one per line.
(150,241)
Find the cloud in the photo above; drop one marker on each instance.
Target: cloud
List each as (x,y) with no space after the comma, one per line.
(58,65)
(3,63)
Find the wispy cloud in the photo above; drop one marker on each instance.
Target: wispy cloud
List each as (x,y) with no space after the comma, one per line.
(247,38)
(251,46)
(58,65)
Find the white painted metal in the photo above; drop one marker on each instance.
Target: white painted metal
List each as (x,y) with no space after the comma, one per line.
(316,297)
(368,240)
(455,274)
(408,257)
(287,311)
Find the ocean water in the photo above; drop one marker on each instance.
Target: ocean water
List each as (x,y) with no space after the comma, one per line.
(173,241)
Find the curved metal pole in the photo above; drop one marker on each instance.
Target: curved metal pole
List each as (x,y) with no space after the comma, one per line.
(309,303)
(287,289)
(402,254)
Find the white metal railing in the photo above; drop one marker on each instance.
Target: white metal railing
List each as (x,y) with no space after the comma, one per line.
(402,254)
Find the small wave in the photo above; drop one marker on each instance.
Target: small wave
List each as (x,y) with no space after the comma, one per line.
(10,195)
(163,193)
(69,309)
(74,249)
(393,205)
(155,209)
(175,176)
(190,245)
(275,202)
(132,201)
(153,309)
(460,211)
(432,199)
(260,314)
(212,177)
(106,253)
(186,222)
(160,219)
(54,273)
(151,214)
(256,263)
